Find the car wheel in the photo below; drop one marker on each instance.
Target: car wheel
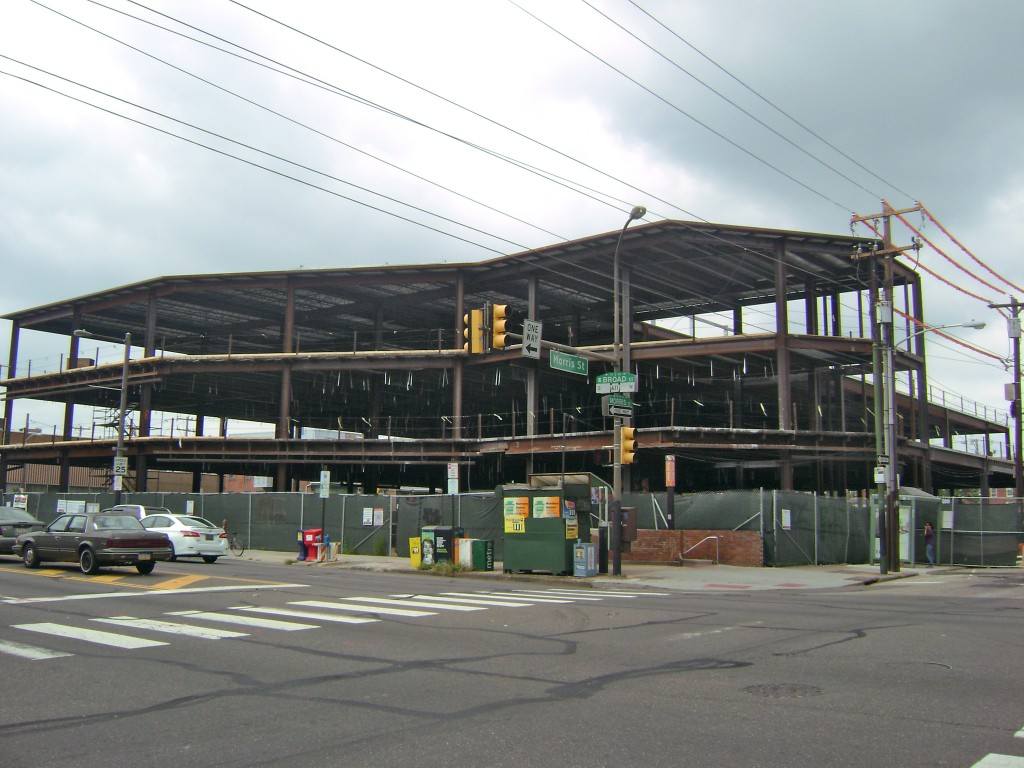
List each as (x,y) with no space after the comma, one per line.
(87,561)
(29,556)
(173,556)
(210,558)
(145,568)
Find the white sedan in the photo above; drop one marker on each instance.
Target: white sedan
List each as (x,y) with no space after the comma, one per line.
(190,536)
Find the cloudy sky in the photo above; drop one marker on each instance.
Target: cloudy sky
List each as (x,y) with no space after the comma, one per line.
(143,139)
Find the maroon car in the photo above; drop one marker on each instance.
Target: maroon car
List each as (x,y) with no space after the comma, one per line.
(94,539)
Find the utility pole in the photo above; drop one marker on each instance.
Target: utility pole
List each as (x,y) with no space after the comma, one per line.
(1013,330)
(884,375)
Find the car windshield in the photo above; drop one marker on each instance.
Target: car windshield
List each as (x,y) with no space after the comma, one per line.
(13,513)
(197,522)
(108,522)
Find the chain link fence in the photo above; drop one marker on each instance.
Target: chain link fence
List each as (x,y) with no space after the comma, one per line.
(796,528)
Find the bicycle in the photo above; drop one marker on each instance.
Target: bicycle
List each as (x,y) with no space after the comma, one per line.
(235,544)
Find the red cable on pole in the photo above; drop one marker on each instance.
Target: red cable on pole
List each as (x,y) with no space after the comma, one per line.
(948,234)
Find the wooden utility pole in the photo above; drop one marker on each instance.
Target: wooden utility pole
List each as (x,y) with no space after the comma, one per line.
(884,376)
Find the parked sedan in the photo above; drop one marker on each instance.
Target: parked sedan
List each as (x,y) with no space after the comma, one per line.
(94,539)
(15,521)
(190,536)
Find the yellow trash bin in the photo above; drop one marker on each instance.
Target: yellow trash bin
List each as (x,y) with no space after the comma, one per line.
(414,552)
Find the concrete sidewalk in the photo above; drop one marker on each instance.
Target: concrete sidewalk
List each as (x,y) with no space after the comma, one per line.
(682,578)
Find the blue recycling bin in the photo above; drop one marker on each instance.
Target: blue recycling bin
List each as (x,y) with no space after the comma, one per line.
(584,560)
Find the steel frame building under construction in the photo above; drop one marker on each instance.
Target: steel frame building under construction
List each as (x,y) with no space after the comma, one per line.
(753,351)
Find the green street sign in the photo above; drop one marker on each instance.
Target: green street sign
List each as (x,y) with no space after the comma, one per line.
(560,361)
(616,381)
(615,377)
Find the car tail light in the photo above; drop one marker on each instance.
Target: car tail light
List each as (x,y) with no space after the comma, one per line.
(190,534)
(223,535)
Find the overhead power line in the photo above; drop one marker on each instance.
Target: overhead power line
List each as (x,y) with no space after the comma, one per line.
(254,164)
(767,101)
(682,111)
(729,101)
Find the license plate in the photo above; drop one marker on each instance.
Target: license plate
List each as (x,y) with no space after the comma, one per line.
(145,556)
(208,536)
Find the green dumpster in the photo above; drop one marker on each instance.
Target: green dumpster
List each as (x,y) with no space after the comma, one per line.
(542,546)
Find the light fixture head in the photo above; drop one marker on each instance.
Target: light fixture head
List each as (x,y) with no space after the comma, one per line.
(638,212)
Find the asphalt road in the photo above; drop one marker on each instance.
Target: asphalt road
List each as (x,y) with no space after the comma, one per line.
(916,672)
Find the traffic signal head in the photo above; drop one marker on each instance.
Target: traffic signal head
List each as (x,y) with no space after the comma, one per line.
(499,321)
(474,331)
(627,445)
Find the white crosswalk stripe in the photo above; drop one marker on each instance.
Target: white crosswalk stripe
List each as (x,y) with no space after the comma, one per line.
(495,599)
(31,652)
(999,761)
(609,593)
(529,598)
(170,627)
(415,601)
(287,618)
(376,609)
(247,621)
(90,635)
(452,597)
(306,614)
(547,594)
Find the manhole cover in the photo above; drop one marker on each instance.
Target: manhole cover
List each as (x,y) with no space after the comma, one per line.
(782,690)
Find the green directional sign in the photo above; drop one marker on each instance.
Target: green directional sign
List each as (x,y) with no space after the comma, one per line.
(560,361)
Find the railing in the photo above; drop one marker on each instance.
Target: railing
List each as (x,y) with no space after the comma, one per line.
(683,555)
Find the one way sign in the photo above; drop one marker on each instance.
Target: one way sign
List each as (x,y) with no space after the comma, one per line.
(531,338)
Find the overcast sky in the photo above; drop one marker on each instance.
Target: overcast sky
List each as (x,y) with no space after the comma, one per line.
(498,126)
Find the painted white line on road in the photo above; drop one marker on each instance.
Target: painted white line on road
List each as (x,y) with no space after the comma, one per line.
(999,761)
(450,597)
(247,621)
(530,598)
(170,627)
(30,651)
(530,593)
(307,615)
(613,592)
(1019,734)
(187,591)
(414,602)
(364,608)
(692,635)
(496,600)
(90,635)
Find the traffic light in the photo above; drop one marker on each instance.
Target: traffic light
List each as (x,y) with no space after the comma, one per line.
(499,315)
(474,331)
(627,445)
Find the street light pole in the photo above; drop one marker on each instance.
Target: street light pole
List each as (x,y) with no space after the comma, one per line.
(119,450)
(1013,331)
(123,407)
(620,335)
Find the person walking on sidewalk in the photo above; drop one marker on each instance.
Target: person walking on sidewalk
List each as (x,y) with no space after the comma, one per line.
(929,543)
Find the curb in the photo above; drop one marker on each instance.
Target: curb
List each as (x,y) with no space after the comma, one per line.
(887,577)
